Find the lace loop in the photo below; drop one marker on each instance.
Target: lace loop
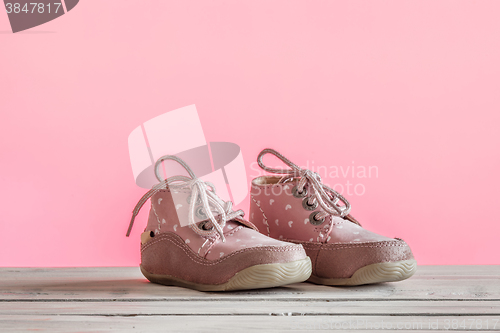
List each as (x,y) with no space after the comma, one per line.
(201,191)
(325,196)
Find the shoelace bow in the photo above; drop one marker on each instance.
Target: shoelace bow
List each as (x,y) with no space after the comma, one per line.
(202,191)
(325,196)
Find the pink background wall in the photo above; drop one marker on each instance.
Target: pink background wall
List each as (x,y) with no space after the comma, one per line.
(411,87)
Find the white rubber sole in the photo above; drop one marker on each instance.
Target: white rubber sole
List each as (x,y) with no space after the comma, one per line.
(254,277)
(374,273)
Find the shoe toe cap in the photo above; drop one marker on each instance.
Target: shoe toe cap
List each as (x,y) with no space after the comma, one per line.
(342,260)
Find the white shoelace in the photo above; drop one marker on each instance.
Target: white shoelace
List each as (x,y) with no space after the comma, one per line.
(203,192)
(325,196)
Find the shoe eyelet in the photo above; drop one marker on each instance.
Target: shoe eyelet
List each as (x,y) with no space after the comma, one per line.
(151,234)
(314,221)
(200,213)
(307,206)
(298,194)
(202,226)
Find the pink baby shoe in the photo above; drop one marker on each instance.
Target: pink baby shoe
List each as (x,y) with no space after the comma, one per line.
(297,207)
(194,239)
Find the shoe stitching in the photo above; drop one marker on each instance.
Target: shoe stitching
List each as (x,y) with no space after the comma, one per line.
(171,236)
(329,247)
(202,245)
(192,255)
(157,217)
(265,217)
(327,234)
(330,227)
(312,245)
(209,248)
(238,228)
(340,246)
(230,233)
(213,240)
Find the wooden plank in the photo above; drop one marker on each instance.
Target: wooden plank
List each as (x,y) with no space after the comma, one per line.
(106,299)
(246,323)
(251,307)
(133,272)
(127,283)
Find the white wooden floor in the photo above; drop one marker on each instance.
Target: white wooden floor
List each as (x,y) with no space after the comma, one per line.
(452,298)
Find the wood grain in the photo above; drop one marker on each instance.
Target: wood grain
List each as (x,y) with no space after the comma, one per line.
(119,298)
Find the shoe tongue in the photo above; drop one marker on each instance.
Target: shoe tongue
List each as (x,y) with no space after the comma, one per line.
(230,225)
(180,202)
(234,223)
(285,178)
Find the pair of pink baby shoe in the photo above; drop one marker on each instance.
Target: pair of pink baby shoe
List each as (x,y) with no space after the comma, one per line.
(300,229)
